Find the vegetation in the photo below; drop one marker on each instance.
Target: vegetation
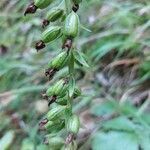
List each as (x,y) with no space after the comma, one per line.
(114,105)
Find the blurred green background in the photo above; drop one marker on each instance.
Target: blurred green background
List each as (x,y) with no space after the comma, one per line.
(115,106)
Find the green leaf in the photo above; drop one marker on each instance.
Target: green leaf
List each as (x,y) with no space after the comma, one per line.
(127,109)
(106,108)
(105,48)
(120,123)
(71,86)
(71,62)
(42,147)
(114,141)
(144,140)
(80,57)
(27,144)
(146,118)
(6,140)
(84,28)
(145,65)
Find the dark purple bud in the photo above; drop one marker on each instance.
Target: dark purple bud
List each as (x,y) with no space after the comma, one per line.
(45,23)
(69,138)
(43,123)
(50,73)
(39,45)
(31,9)
(67,44)
(44,96)
(75,7)
(52,100)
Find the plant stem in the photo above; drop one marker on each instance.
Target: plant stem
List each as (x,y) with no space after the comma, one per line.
(68,111)
(71,63)
(67,6)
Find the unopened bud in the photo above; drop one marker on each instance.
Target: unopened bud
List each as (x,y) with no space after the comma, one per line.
(41,4)
(59,61)
(50,72)
(51,33)
(75,7)
(54,142)
(31,9)
(71,25)
(39,45)
(73,124)
(53,15)
(54,113)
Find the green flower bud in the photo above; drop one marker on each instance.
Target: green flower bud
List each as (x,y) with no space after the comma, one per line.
(71,25)
(60,88)
(59,61)
(49,124)
(42,3)
(73,124)
(54,142)
(62,101)
(50,92)
(54,14)
(54,113)
(54,126)
(58,127)
(51,33)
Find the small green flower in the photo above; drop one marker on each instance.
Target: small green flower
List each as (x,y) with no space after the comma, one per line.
(71,25)
(73,124)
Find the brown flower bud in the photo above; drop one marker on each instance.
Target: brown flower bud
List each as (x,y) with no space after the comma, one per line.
(52,100)
(43,123)
(75,7)
(50,72)
(69,138)
(67,44)
(45,23)
(31,9)
(39,45)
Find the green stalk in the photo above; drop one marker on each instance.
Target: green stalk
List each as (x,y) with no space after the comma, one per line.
(67,2)
(70,66)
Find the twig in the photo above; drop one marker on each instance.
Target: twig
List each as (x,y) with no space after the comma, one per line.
(144,106)
(126,62)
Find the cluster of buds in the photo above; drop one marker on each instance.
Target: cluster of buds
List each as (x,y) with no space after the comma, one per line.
(61,94)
